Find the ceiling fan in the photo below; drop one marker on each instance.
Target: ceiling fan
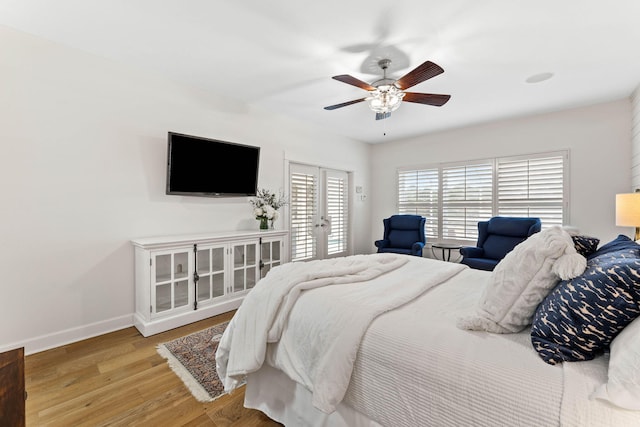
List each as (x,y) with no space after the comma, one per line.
(385,95)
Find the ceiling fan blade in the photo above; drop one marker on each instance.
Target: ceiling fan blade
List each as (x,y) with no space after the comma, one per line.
(426,98)
(346,78)
(421,73)
(344,104)
(380,116)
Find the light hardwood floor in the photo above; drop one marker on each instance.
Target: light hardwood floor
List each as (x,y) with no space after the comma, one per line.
(118,379)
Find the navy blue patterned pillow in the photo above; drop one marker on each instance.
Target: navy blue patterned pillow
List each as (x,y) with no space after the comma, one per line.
(585,245)
(620,242)
(581,316)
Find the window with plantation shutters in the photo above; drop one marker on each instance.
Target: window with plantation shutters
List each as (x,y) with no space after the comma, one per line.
(467,197)
(418,195)
(303,206)
(532,186)
(455,196)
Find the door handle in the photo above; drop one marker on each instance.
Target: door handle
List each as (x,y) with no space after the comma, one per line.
(326,224)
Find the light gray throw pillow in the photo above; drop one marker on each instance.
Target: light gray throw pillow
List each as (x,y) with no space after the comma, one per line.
(522,280)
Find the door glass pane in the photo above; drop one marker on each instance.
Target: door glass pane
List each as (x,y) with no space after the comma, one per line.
(203,261)
(204,288)
(181,293)
(275,248)
(303,189)
(218,285)
(336,214)
(180,265)
(163,268)
(251,277)
(265,270)
(266,252)
(217,255)
(163,297)
(238,255)
(251,254)
(238,280)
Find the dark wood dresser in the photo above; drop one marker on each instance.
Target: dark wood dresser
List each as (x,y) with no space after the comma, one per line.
(12,393)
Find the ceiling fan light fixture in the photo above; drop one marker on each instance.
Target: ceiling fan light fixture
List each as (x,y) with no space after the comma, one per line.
(385,99)
(386,95)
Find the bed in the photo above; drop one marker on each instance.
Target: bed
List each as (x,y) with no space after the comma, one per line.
(376,340)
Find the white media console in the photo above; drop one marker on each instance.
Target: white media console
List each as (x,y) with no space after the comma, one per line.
(186,278)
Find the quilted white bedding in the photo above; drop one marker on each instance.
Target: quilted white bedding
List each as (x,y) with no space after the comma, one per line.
(320,350)
(414,367)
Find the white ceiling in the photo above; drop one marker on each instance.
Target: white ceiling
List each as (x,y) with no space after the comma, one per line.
(281,54)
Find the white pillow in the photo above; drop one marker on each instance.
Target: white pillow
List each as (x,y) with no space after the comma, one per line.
(623,386)
(522,279)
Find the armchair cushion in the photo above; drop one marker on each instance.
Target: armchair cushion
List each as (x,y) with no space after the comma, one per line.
(403,238)
(471,252)
(497,246)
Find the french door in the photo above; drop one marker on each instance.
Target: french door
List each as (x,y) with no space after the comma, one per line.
(318,212)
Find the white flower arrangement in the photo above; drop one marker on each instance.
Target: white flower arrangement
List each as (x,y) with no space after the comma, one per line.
(266,204)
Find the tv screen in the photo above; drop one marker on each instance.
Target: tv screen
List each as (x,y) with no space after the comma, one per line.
(210,168)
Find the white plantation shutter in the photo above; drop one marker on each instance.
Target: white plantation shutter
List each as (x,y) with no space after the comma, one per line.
(455,196)
(418,195)
(533,186)
(336,193)
(467,197)
(303,205)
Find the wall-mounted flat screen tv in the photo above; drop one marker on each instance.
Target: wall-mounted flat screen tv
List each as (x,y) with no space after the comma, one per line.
(206,167)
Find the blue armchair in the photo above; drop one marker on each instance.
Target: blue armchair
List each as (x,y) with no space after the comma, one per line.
(497,237)
(403,234)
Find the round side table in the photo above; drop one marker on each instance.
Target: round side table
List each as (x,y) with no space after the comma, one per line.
(446,249)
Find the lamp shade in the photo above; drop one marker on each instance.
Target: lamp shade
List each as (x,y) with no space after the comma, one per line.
(628,209)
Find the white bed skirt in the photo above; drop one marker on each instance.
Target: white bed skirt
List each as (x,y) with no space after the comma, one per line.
(272,392)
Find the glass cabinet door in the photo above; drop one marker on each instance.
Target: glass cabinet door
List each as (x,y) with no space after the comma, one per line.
(170,279)
(269,256)
(210,264)
(245,266)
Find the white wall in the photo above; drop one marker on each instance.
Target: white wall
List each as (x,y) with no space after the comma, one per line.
(82,171)
(635,140)
(598,138)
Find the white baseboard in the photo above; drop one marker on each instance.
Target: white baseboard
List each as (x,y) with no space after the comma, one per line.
(57,339)
(162,324)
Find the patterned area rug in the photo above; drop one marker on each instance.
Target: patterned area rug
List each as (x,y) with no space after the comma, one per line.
(193,359)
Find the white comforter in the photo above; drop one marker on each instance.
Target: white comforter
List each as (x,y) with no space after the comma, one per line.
(320,351)
(414,367)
